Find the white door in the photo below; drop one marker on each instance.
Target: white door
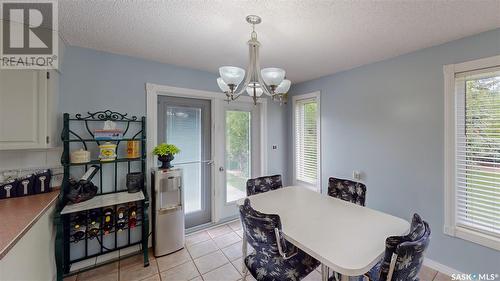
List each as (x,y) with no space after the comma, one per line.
(238,154)
(23,109)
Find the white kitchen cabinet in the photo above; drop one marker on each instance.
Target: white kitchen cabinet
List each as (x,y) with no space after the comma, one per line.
(32,257)
(28,109)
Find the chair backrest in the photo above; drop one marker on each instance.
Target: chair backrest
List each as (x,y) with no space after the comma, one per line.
(409,251)
(259,230)
(263,184)
(354,192)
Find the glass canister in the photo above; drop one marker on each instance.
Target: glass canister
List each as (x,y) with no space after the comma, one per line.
(107,151)
(133,149)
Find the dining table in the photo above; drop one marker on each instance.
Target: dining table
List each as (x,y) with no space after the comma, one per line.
(346,238)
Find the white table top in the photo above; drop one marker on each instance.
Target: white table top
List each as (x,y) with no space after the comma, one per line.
(347,238)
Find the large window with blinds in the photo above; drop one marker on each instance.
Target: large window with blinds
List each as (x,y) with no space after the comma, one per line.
(306,140)
(475,194)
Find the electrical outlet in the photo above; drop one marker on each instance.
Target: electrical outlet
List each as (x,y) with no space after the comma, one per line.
(56,180)
(57,171)
(356,175)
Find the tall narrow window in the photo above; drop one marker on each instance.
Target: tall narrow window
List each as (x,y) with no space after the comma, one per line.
(238,153)
(478,151)
(184,129)
(306,140)
(476,188)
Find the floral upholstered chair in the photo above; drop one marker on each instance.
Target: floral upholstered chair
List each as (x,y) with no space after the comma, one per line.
(274,258)
(263,184)
(409,251)
(347,190)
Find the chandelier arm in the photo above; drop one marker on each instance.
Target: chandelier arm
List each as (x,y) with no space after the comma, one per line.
(264,86)
(249,74)
(259,76)
(255,68)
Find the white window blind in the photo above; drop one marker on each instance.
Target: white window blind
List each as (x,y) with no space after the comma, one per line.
(306,141)
(477,151)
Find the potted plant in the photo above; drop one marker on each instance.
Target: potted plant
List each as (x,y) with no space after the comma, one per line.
(165,153)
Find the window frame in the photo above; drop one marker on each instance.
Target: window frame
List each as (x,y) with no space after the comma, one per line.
(450,105)
(317,96)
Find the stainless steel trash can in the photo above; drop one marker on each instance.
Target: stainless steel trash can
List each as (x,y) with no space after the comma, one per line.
(168,211)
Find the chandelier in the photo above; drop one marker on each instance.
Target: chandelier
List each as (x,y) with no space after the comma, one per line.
(270,81)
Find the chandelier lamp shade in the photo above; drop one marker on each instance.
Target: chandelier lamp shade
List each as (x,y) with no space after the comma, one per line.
(234,81)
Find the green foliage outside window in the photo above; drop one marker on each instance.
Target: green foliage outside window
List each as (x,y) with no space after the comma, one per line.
(482,131)
(238,141)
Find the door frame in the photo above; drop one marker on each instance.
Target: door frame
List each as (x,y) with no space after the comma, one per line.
(153,91)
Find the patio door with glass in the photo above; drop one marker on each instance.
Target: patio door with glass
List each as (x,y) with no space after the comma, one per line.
(240,155)
(185,122)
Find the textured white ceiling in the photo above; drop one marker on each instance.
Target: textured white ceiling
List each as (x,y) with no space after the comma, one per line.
(307,38)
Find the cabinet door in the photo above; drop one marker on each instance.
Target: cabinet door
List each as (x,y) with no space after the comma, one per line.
(23,109)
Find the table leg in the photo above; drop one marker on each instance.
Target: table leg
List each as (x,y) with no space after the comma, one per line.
(244,251)
(324,272)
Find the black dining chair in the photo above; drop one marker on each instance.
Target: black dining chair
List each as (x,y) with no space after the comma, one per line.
(274,258)
(256,186)
(263,184)
(409,254)
(347,190)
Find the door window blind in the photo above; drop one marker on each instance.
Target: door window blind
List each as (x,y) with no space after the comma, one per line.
(306,141)
(477,193)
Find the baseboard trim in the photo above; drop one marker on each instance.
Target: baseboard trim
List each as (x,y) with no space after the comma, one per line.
(440,267)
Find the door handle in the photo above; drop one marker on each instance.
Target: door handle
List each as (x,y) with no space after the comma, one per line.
(221,169)
(208,162)
(163,211)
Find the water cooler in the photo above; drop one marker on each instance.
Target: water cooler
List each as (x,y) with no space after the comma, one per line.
(168,211)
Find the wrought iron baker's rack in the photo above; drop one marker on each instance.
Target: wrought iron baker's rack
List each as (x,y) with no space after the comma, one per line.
(62,218)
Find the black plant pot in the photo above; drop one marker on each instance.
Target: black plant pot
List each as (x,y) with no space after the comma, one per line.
(165,161)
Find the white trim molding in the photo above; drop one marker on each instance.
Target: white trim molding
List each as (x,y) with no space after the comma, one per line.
(317,96)
(450,104)
(440,267)
(449,149)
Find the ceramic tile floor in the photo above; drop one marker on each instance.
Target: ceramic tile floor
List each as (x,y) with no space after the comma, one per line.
(210,255)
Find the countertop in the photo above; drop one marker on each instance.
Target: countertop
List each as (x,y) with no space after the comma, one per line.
(20,214)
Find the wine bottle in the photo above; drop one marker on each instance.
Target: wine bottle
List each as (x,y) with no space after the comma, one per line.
(83,189)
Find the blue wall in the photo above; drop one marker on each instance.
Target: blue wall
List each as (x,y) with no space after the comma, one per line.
(386,119)
(93,80)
